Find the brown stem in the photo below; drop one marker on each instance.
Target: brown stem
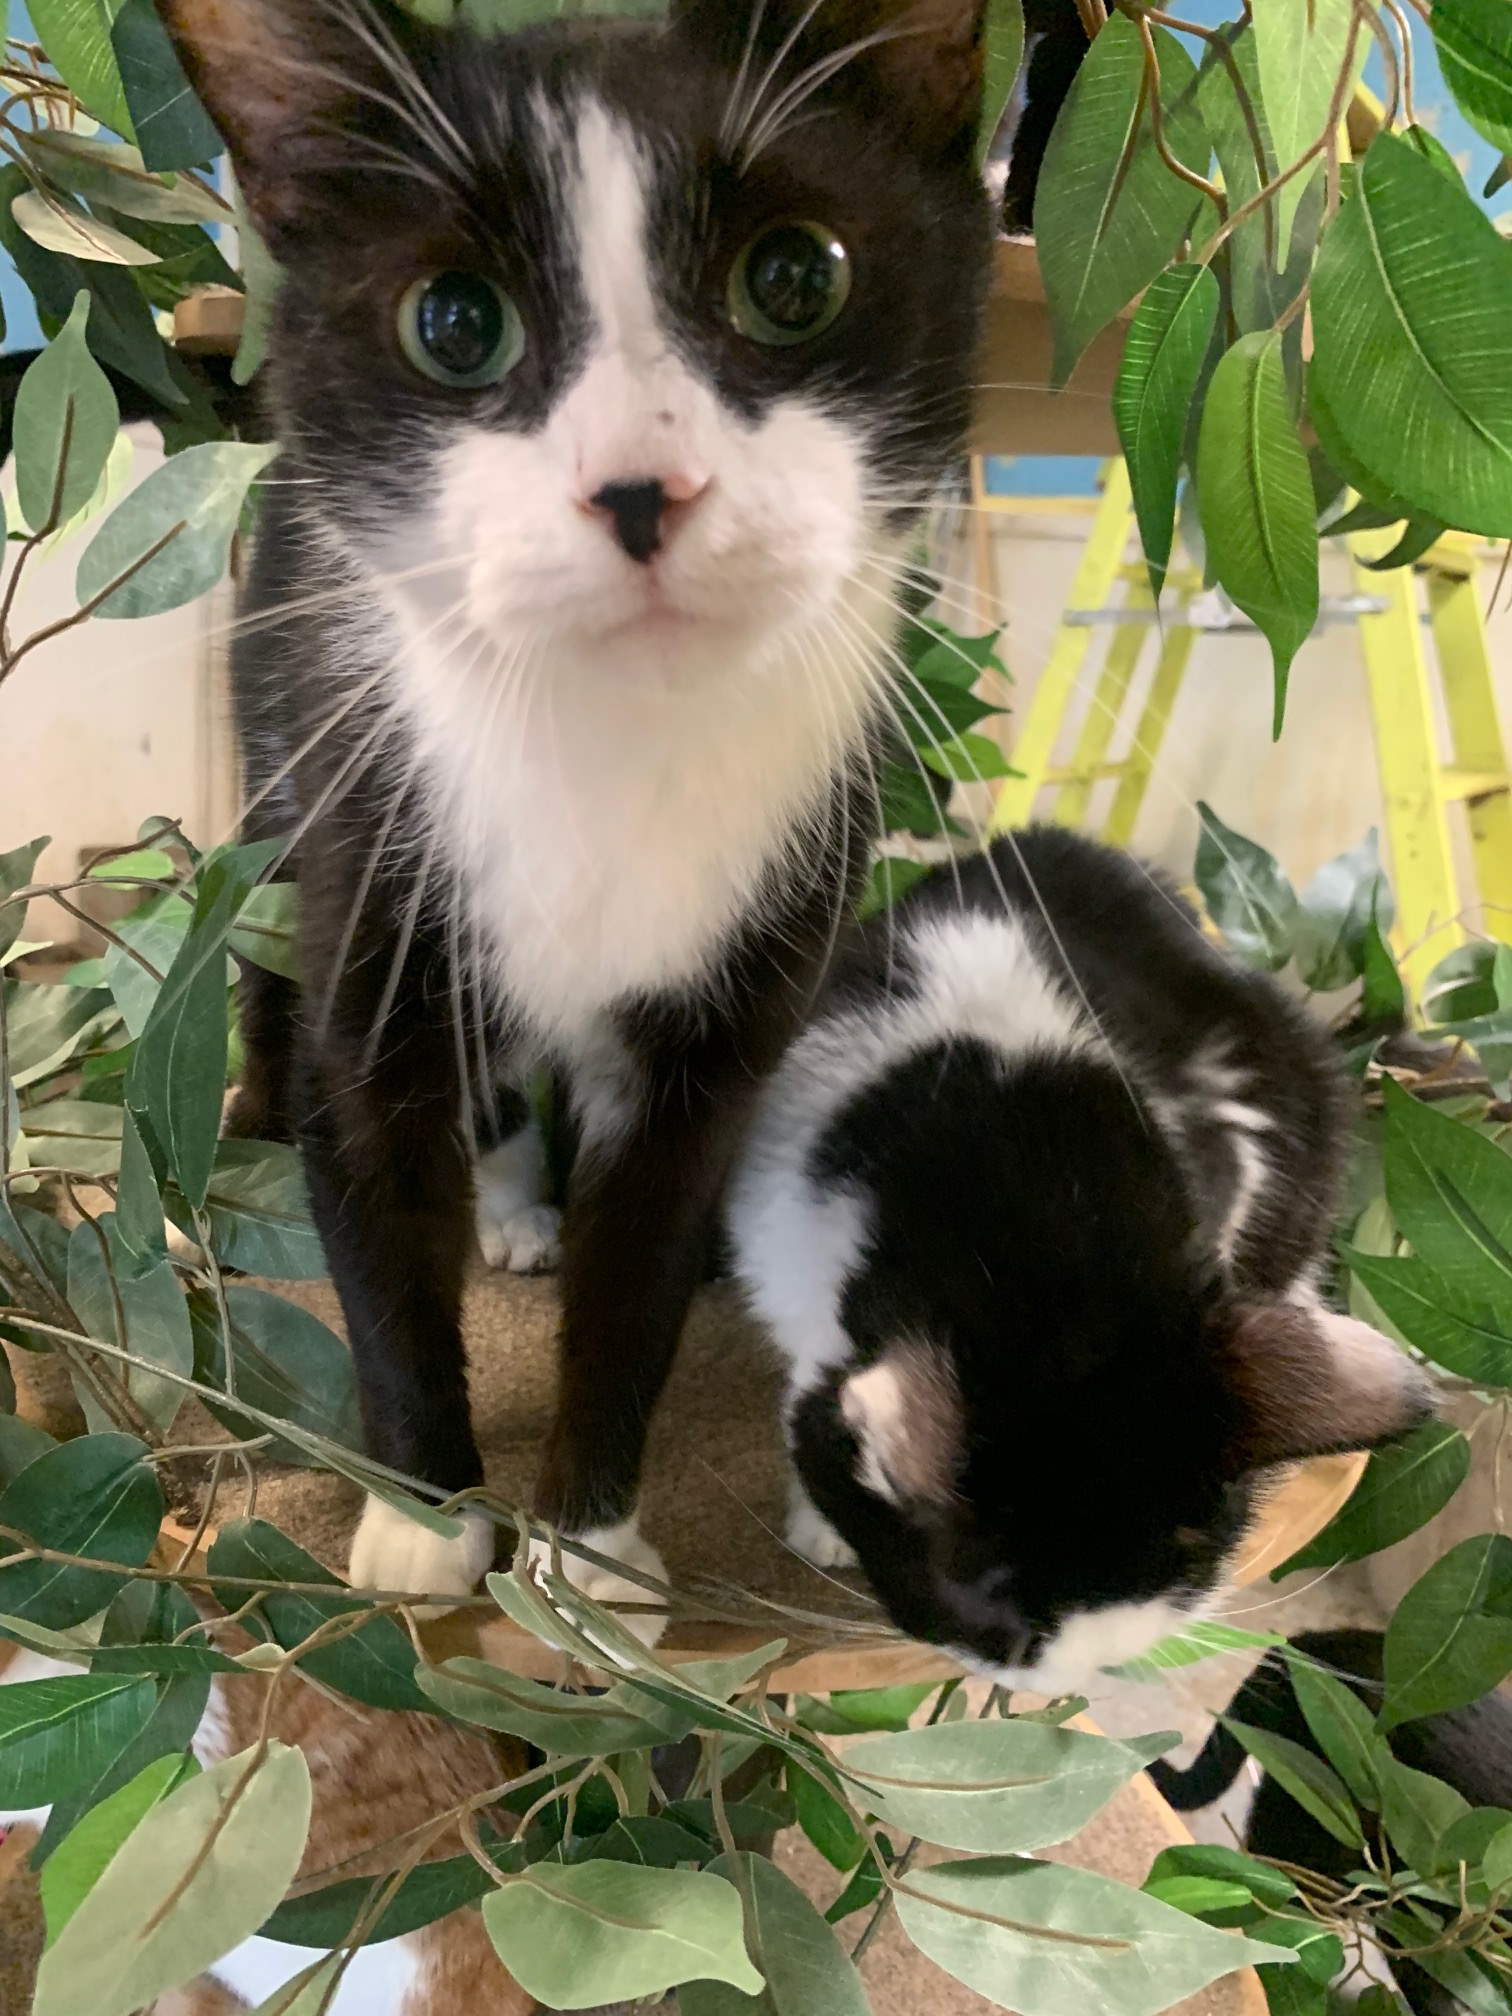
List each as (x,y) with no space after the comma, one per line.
(1157,117)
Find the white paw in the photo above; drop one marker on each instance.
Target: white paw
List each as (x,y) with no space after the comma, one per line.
(810,1534)
(528,1242)
(394,1552)
(626,1543)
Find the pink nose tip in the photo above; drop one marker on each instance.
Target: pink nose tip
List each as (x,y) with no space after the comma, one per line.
(640,510)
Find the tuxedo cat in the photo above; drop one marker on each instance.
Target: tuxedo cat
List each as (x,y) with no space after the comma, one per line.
(613,364)
(1468,1748)
(1033,1210)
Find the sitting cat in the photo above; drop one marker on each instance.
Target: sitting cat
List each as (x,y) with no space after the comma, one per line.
(1469,1748)
(1034,1210)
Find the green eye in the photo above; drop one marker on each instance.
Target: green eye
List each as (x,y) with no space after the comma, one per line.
(789,283)
(460,329)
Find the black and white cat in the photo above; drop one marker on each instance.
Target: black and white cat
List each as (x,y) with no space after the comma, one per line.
(613,365)
(1034,1211)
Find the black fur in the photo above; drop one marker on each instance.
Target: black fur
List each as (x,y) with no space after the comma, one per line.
(1469,1748)
(1044,1229)
(388,1173)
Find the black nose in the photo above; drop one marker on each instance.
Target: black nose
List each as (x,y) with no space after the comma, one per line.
(637,510)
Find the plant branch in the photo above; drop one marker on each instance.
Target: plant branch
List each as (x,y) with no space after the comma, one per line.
(9,659)
(1157,117)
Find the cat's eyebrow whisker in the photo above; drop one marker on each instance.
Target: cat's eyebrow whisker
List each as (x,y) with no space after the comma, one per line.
(727,128)
(755,97)
(797,94)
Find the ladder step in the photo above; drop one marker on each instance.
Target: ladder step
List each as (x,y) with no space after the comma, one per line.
(1460,783)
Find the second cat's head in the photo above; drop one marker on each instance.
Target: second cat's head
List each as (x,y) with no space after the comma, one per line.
(1050,1512)
(642,334)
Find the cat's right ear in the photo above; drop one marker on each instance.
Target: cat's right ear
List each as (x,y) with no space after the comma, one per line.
(284,81)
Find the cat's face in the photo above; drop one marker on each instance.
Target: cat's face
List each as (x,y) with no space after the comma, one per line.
(648,339)
(1044,1537)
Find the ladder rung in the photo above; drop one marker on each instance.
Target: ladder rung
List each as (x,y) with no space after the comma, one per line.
(1460,783)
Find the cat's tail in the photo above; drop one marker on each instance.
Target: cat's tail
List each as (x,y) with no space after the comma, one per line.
(1207,1778)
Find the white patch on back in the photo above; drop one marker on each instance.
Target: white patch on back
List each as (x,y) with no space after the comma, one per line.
(617,755)
(796,1244)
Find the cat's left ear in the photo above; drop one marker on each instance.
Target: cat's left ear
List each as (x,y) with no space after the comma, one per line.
(1310,1382)
(917,61)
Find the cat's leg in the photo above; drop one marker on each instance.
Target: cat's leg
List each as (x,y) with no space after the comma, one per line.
(650,1172)
(810,1534)
(389,1179)
(517,1228)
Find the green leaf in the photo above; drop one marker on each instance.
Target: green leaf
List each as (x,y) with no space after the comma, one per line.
(1003,51)
(1418,534)
(55,1735)
(1474,39)
(267,928)
(1344,1729)
(80,1135)
(1300,46)
(1255,492)
(1450,1640)
(1411,297)
(1418,1812)
(17,871)
(1423,1307)
(20,1443)
(105,1961)
(1403,1486)
(607,1932)
(860,1894)
(807,1969)
(572,1725)
(121,328)
(1109,213)
(1337,907)
(434,1890)
(969,759)
(877,1708)
(375,1665)
(1450,1191)
(1198,1896)
(824,1820)
(1202,1639)
(891,879)
(1471,1838)
(1383,998)
(116,175)
(1306,1777)
(1467,1983)
(651,1840)
(65,423)
(994,1786)
(167,542)
(152,1308)
(287,1364)
(140,1234)
(1247,895)
(61,225)
(1496,1866)
(78,1863)
(173,129)
(1320,1953)
(95,1497)
(1163,356)
(1225,1865)
(76,36)
(261,277)
(1052,1941)
(176,1086)
(260,1216)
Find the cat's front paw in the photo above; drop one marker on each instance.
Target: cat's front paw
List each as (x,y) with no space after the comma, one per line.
(526,1241)
(393,1552)
(626,1543)
(810,1534)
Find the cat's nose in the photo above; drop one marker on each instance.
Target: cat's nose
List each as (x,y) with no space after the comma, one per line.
(641,510)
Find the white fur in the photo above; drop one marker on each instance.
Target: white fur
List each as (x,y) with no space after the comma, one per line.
(624,1542)
(1087,1643)
(796,1244)
(618,753)
(810,1534)
(392,1551)
(516,1228)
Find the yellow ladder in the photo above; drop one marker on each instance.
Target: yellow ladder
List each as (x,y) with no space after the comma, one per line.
(1419,783)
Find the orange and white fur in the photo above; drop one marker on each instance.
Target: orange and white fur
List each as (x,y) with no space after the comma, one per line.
(375,1776)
